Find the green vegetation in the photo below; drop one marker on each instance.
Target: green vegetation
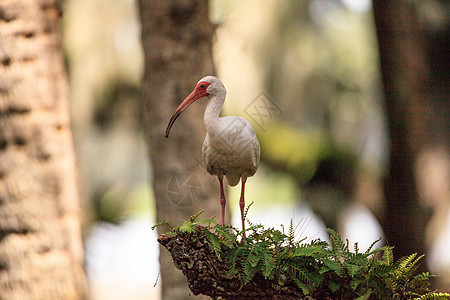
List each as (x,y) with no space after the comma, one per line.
(317,269)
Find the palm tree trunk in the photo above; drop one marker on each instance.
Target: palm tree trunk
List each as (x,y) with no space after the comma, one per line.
(41,254)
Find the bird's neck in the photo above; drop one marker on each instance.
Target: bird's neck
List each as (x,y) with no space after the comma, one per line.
(212,112)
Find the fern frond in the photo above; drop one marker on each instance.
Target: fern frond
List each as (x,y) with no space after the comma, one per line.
(366,296)
(163,223)
(268,263)
(352,269)
(236,256)
(334,286)
(336,242)
(215,243)
(368,251)
(307,250)
(194,217)
(336,269)
(403,263)
(206,221)
(388,256)
(253,259)
(301,277)
(435,296)
(187,226)
(246,210)
(250,268)
(225,234)
(291,234)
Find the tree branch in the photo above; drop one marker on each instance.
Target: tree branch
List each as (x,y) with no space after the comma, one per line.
(208,275)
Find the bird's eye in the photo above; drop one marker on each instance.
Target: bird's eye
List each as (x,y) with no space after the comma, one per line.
(202,85)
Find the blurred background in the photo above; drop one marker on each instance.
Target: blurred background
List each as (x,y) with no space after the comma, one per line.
(314,66)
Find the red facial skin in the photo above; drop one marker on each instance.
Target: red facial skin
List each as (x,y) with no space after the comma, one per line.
(197,93)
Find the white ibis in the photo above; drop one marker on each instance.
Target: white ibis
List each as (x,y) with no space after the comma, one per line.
(231,147)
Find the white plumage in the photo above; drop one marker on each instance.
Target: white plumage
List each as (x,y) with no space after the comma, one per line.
(231,147)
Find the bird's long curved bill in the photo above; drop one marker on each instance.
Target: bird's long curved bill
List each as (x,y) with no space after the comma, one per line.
(195,95)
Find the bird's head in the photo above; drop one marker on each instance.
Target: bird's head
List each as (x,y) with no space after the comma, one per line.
(206,87)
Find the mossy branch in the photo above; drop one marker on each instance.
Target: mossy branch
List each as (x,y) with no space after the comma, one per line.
(272,265)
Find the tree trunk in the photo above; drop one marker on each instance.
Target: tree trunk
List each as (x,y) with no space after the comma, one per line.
(405,78)
(41,255)
(177,39)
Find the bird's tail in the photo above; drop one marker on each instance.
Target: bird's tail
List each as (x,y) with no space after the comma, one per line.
(233,179)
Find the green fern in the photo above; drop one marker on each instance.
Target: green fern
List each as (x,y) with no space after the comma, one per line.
(268,263)
(291,234)
(435,296)
(388,256)
(406,266)
(187,226)
(369,251)
(337,244)
(316,268)
(163,223)
(215,243)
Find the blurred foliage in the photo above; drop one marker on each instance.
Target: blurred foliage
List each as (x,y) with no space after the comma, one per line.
(118,103)
(116,203)
(300,153)
(105,63)
(282,187)
(324,170)
(317,61)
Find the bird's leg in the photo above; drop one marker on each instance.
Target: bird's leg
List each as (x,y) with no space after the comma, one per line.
(223,201)
(242,204)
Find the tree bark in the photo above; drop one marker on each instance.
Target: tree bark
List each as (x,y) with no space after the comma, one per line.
(405,78)
(41,255)
(208,275)
(177,39)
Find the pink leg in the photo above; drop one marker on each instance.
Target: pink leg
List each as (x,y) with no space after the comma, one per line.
(223,201)
(242,203)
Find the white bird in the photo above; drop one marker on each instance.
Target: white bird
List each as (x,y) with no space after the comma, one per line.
(231,147)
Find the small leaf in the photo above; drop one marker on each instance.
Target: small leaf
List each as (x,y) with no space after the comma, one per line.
(368,251)
(282,279)
(187,226)
(336,267)
(354,284)
(352,269)
(334,286)
(366,295)
(163,223)
(269,264)
(388,257)
(194,217)
(253,259)
(215,243)
(206,221)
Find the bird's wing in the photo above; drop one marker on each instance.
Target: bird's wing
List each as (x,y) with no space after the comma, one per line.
(256,153)
(249,140)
